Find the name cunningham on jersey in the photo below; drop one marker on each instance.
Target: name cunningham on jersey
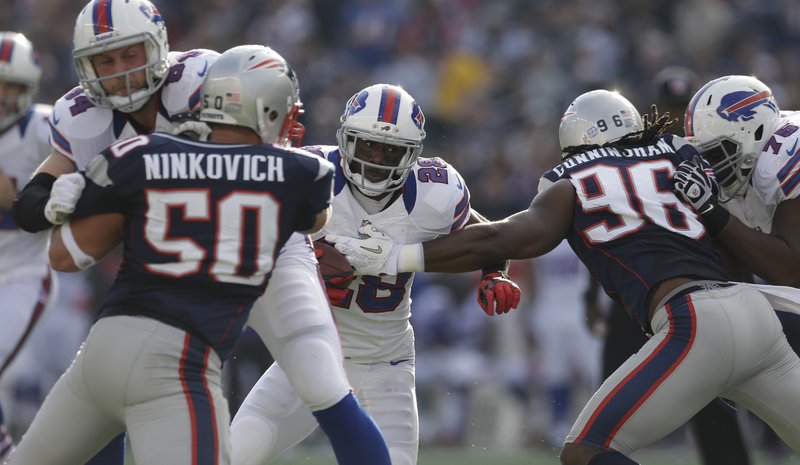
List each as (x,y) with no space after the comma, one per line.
(647,151)
(245,167)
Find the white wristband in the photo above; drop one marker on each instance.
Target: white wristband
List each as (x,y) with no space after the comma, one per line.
(410,258)
(82,259)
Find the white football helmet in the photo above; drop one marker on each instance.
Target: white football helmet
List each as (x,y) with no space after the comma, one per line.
(253,86)
(105,25)
(598,117)
(19,64)
(381,113)
(730,120)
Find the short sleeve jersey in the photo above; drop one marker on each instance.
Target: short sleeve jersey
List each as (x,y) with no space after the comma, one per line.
(629,229)
(203,225)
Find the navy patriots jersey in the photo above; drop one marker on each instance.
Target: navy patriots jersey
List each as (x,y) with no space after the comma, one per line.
(204,224)
(629,229)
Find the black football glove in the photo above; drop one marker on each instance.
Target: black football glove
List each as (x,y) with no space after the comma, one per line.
(694,186)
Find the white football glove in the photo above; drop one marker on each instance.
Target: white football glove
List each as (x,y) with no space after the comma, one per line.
(376,253)
(64,195)
(196,130)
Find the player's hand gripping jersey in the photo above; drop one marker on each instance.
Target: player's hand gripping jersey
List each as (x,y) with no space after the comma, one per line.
(221,196)
(22,148)
(776,177)
(79,130)
(373,320)
(621,192)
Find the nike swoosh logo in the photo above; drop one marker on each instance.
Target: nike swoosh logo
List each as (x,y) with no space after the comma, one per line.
(791,151)
(398,362)
(205,68)
(371,250)
(55,120)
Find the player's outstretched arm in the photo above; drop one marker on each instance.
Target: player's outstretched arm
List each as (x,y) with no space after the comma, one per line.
(526,234)
(497,293)
(79,243)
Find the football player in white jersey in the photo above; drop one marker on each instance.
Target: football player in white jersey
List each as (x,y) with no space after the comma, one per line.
(26,281)
(380,182)
(754,151)
(131,84)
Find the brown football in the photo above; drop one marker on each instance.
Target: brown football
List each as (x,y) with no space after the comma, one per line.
(333,265)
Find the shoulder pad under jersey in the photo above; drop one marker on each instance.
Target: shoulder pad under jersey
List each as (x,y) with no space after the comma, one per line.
(78,129)
(777,173)
(436,196)
(181,92)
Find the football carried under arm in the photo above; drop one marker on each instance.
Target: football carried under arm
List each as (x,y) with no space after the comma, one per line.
(336,271)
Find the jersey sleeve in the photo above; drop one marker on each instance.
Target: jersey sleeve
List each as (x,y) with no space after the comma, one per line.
(187,71)
(39,131)
(78,129)
(443,199)
(319,194)
(110,183)
(777,172)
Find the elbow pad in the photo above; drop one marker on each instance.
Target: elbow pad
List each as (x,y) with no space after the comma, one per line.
(28,208)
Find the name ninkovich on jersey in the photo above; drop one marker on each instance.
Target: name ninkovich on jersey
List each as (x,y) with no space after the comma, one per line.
(776,177)
(79,130)
(374,325)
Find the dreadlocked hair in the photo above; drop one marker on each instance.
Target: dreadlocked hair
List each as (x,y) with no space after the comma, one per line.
(655,126)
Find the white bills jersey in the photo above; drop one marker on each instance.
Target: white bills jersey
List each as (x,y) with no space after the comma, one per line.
(22,148)
(776,177)
(375,326)
(79,130)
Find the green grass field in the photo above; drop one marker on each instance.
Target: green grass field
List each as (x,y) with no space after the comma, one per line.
(677,455)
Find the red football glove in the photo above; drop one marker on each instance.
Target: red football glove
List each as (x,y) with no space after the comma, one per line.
(497,293)
(337,297)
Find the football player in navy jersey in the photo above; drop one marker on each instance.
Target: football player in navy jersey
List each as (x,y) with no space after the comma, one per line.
(611,198)
(201,225)
(130,85)
(716,427)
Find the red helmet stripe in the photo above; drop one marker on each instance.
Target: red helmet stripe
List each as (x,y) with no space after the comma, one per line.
(6,48)
(390,105)
(102,16)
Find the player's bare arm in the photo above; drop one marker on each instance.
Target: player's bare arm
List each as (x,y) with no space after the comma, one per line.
(525,234)
(7,191)
(94,236)
(774,257)
(55,165)
(319,222)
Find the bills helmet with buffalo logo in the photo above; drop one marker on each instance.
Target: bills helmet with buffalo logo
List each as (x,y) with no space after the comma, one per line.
(730,119)
(105,25)
(386,114)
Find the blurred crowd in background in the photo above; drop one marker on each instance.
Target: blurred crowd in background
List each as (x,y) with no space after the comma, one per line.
(493,78)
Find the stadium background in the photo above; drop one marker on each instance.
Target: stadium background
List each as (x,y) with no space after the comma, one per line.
(493,79)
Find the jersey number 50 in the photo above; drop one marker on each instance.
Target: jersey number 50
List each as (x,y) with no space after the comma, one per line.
(229,263)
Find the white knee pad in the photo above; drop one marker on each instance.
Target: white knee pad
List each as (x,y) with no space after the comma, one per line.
(294,320)
(315,369)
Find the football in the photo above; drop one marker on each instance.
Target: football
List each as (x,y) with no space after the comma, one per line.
(333,265)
